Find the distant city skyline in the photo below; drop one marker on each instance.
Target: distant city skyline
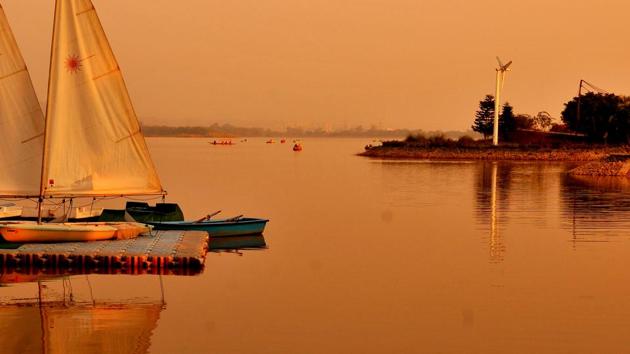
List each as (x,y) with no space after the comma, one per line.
(398,63)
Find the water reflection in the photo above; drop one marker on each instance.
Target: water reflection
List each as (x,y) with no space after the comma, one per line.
(236,244)
(38,271)
(508,194)
(597,209)
(492,190)
(49,314)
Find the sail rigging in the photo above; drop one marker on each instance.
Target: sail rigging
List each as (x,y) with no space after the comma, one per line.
(93,145)
(21,120)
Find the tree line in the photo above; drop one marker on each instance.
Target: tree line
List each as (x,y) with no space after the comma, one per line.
(601,117)
(229,131)
(509,122)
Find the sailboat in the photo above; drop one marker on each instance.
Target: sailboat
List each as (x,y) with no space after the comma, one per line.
(89,143)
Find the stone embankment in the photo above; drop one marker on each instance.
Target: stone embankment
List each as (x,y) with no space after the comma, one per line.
(613,165)
(495,154)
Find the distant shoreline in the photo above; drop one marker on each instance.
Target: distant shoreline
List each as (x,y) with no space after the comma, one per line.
(227,131)
(578,154)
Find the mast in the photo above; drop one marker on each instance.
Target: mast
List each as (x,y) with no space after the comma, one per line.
(46,117)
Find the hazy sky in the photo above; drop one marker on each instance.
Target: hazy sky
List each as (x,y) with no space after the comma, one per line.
(394,63)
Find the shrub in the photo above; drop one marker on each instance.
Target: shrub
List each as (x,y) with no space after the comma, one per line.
(465,141)
(419,139)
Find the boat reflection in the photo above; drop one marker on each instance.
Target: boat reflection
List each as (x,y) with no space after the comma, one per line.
(64,315)
(235,244)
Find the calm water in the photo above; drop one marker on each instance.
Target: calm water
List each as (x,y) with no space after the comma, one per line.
(364,256)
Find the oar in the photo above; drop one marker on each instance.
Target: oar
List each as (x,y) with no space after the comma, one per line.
(236,218)
(208,217)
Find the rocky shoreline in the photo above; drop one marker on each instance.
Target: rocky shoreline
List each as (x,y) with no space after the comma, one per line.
(496,154)
(612,165)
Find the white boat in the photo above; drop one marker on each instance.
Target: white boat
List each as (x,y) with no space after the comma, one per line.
(88,144)
(28,232)
(58,232)
(10,210)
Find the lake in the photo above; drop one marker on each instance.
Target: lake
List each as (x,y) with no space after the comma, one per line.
(363,256)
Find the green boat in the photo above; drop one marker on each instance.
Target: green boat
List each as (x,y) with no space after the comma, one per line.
(144,213)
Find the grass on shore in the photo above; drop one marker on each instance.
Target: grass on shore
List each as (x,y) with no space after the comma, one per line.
(467,148)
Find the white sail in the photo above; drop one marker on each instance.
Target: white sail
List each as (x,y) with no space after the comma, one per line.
(93,141)
(21,121)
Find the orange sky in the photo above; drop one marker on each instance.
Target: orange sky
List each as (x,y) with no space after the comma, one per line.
(394,63)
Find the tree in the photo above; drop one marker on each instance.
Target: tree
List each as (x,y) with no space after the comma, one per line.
(603,117)
(507,121)
(524,121)
(484,117)
(542,120)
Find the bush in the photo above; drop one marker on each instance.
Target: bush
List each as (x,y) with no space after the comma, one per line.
(416,139)
(465,141)
(559,128)
(393,143)
(439,141)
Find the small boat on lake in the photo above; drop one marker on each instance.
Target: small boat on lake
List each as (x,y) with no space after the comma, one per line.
(297,147)
(238,226)
(223,142)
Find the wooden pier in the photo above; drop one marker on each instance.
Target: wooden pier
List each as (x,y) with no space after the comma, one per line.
(162,252)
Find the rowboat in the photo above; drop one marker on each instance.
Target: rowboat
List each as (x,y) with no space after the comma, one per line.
(217,228)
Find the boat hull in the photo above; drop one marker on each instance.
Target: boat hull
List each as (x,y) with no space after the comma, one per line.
(32,232)
(217,228)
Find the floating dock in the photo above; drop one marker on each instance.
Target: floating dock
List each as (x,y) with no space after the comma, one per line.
(161,252)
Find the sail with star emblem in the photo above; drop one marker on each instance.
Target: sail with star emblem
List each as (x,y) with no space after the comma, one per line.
(22,120)
(94,146)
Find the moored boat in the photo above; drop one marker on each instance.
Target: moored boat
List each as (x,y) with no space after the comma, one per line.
(143,212)
(24,232)
(31,232)
(217,228)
